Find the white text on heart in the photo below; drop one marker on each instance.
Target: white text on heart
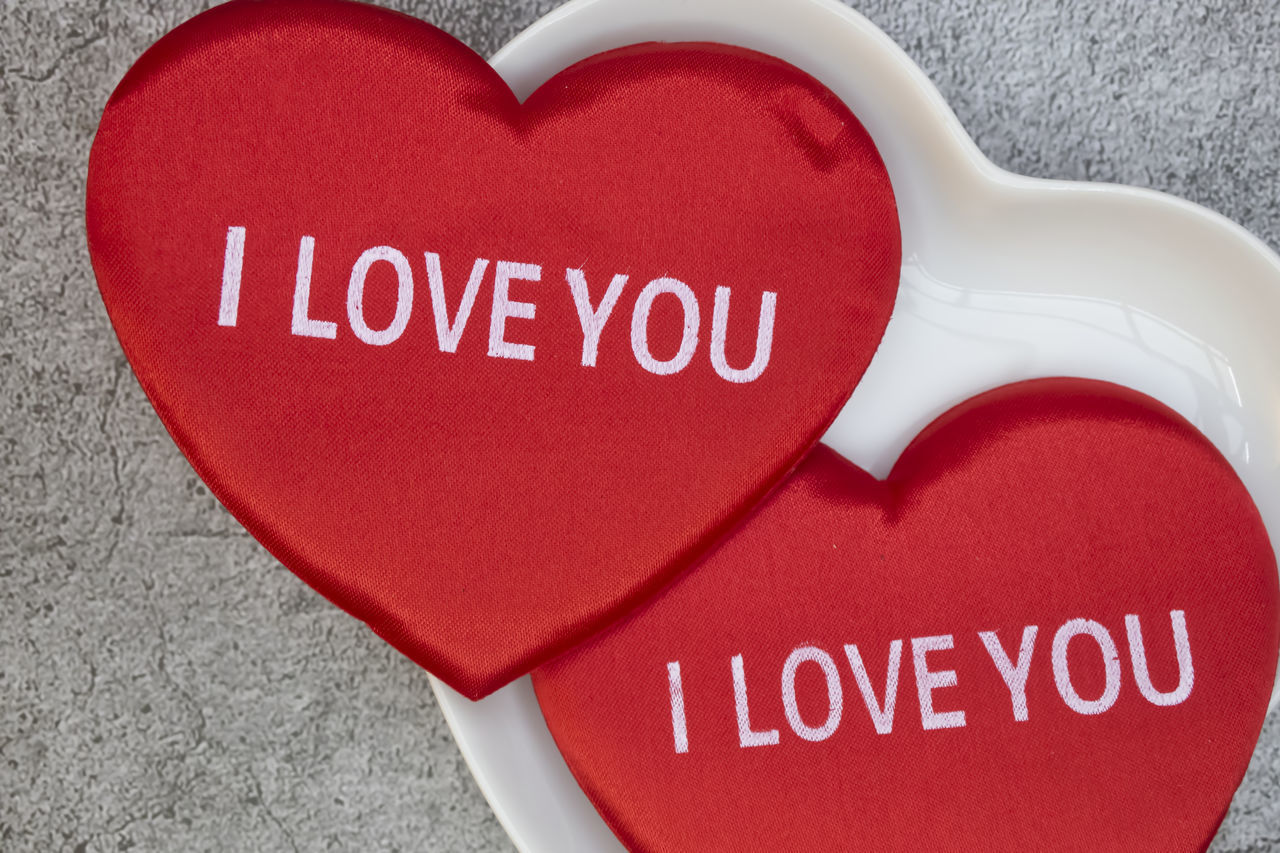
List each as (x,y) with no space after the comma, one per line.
(449,330)
(1013,670)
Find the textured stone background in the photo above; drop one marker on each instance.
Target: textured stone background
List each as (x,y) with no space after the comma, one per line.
(166,685)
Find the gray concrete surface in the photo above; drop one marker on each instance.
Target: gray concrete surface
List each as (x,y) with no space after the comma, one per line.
(166,685)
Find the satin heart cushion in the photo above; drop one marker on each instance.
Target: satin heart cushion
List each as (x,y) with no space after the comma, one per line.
(1053,627)
(485,374)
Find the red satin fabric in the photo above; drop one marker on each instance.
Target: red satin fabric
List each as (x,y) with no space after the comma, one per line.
(482,513)
(1032,505)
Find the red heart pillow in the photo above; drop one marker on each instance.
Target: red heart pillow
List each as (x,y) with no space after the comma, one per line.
(485,374)
(1054,627)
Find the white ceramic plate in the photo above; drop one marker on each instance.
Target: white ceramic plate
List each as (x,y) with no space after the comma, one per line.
(1004,278)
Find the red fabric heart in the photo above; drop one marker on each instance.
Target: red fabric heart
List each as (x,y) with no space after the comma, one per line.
(483,493)
(1088,511)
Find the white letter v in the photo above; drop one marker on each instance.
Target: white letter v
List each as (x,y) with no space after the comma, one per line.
(449,334)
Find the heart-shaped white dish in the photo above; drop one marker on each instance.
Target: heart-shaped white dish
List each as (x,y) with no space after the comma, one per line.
(1004,278)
